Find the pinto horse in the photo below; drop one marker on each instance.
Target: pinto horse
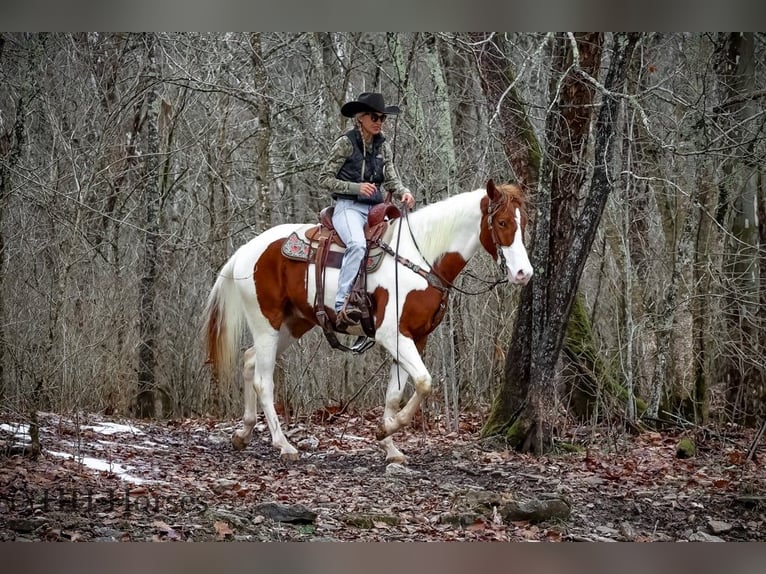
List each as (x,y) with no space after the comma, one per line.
(273,295)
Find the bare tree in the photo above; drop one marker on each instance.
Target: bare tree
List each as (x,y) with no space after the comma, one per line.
(11,143)
(93,269)
(745,377)
(263,131)
(520,410)
(148,326)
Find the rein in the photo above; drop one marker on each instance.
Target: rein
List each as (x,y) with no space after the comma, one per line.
(430,275)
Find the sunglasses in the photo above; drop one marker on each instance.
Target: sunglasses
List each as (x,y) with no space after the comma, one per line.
(377,117)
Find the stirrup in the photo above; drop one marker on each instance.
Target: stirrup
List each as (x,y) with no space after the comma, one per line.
(348,316)
(361,344)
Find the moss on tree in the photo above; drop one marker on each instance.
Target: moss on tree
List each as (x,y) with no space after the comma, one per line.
(589,377)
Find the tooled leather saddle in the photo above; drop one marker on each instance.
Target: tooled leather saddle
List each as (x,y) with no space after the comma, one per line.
(324,248)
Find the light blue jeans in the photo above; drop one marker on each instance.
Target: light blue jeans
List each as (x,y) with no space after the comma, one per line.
(348,219)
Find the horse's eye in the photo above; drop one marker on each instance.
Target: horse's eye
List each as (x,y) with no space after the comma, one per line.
(501,223)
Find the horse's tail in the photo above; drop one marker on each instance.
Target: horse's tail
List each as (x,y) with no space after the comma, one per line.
(223,322)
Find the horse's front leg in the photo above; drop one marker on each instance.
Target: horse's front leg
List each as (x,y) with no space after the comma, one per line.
(394,394)
(409,359)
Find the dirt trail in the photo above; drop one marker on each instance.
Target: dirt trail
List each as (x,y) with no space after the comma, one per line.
(107,479)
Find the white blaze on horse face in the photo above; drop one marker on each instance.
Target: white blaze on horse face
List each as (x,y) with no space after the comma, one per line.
(516,258)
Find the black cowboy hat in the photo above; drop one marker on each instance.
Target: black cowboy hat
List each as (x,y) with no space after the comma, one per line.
(368,102)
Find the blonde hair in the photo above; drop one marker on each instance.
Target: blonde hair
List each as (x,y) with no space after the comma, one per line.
(358,126)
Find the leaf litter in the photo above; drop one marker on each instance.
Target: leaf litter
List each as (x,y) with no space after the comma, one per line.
(180,480)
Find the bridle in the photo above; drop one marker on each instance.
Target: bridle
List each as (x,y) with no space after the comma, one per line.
(430,274)
(491,211)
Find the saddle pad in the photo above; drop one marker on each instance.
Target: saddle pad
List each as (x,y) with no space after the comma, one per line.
(297,249)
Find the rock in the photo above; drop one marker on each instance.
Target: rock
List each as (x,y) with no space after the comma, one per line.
(482,500)
(107,534)
(240,521)
(752,501)
(607,531)
(537,510)
(325,539)
(24,525)
(368,521)
(662,537)
(627,531)
(308,443)
(594,481)
(718,527)
(704,537)
(296,514)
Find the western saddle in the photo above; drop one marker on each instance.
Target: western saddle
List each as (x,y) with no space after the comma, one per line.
(322,237)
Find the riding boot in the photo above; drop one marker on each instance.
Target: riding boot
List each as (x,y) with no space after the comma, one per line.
(349,315)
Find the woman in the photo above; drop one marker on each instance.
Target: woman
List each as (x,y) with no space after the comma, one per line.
(360,162)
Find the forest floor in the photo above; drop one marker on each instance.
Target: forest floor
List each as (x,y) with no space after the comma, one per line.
(103,479)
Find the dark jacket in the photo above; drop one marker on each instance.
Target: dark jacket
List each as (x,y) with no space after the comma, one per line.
(342,172)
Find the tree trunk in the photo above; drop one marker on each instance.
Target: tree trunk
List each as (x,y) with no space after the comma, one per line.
(567,132)
(263,134)
(589,381)
(518,137)
(413,110)
(700,305)
(445,141)
(147,348)
(11,143)
(742,368)
(682,257)
(547,301)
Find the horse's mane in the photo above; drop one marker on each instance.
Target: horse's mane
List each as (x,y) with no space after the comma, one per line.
(436,224)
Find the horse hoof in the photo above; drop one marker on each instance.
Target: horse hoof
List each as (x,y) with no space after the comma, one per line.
(238,442)
(290,456)
(398,459)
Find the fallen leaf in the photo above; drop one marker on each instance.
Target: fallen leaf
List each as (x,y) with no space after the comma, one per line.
(736,457)
(162,526)
(222,530)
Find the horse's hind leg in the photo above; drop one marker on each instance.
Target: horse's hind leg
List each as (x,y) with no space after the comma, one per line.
(393,402)
(268,346)
(259,385)
(241,437)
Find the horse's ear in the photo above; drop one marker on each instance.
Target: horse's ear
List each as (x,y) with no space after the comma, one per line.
(492,190)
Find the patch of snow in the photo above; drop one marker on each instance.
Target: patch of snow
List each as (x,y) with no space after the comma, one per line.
(102,465)
(112,428)
(18,430)
(354,437)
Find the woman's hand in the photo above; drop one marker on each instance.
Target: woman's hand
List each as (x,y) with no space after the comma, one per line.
(408,200)
(367,189)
